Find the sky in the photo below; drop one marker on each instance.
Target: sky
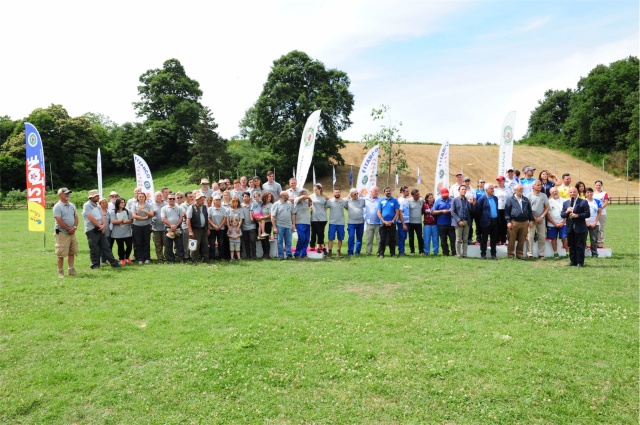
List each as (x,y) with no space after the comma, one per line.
(447,69)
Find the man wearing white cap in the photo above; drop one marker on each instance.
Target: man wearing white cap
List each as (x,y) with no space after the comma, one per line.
(94,229)
(454,190)
(66,218)
(198,226)
(528,180)
(204,188)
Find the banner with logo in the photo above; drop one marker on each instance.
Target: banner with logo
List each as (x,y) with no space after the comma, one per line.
(143,177)
(442,169)
(36,186)
(506,143)
(368,173)
(99,170)
(307,144)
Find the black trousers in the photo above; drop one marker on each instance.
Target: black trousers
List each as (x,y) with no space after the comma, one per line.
(124,247)
(173,248)
(142,242)
(266,244)
(99,246)
(491,231)
(217,236)
(388,236)
(447,235)
(317,233)
(502,227)
(417,229)
(249,239)
(202,251)
(577,245)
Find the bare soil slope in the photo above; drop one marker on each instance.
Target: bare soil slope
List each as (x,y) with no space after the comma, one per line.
(478,161)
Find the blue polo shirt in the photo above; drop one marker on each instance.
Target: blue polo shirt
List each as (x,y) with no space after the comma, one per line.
(443,219)
(388,207)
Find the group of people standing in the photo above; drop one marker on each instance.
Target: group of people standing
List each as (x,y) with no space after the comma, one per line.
(219,221)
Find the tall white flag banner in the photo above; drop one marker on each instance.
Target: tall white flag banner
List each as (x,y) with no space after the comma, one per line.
(368,173)
(442,169)
(307,144)
(334,175)
(143,177)
(506,143)
(419,178)
(99,168)
(314,175)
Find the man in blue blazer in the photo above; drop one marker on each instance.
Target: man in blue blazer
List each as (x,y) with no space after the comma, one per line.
(576,211)
(487,216)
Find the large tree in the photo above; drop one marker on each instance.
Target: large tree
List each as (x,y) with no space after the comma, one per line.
(551,113)
(601,109)
(208,152)
(296,86)
(170,104)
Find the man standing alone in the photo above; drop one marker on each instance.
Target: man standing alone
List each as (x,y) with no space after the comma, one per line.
(66,224)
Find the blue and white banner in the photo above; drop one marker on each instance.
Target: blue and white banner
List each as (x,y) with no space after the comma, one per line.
(143,177)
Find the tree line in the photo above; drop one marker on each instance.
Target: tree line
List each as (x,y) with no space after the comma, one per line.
(597,120)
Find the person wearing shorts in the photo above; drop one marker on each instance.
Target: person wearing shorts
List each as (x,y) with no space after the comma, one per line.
(66,218)
(336,207)
(556,225)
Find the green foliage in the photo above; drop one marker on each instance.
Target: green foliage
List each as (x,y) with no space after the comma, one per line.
(170,104)
(15,196)
(208,152)
(296,86)
(70,145)
(551,113)
(389,139)
(599,117)
(13,173)
(249,158)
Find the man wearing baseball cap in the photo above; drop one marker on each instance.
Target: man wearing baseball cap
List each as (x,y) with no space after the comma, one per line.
(510,180)
(502,193)
(94,228)
(453,190)
(527,181)
(446,232)
(66,218)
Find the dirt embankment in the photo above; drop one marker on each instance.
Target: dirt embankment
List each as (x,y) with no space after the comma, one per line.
(477,162)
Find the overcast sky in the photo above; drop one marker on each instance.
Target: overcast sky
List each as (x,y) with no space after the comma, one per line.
(448,69)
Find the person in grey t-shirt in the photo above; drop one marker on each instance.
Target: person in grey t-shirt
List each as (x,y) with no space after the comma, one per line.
(415,221)
(318,218)
(336,207)
(283,219)
(272,186)
(303,223)
(355,211)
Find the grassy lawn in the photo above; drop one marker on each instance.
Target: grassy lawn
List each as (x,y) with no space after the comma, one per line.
(408,340)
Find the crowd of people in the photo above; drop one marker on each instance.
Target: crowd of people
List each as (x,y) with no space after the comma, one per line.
(225,221)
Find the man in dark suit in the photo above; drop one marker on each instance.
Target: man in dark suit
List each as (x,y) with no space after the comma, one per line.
(576,211)
(487,216)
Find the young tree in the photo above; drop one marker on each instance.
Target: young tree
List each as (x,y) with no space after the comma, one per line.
(296,86)
(389,139)
(208,152)
(170,104)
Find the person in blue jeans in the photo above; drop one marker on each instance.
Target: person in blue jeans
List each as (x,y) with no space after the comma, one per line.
(283,219)
(355,207)
(430,228)
(303,223)
(403,218)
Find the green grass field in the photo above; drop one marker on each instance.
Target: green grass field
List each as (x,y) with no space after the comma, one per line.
(408,340)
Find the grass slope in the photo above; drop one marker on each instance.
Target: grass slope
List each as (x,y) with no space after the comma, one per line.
(409,340)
